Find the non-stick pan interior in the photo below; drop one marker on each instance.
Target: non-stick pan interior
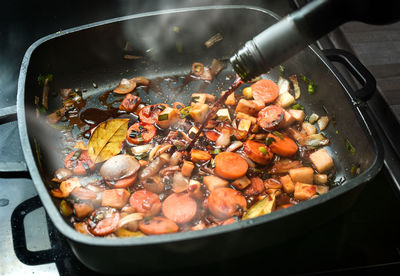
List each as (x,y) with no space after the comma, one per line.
(168,44)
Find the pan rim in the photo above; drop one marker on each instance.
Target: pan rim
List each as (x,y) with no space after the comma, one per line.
(72,235)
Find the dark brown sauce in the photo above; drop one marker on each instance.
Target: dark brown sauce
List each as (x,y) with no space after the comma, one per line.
(72,113)
(235,85)
(104,97)
(94,116)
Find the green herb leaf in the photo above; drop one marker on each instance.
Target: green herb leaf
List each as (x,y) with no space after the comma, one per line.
(297,107)
(349,146)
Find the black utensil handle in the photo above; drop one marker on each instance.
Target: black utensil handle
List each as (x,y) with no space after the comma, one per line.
(19,240)
(8,114)
(357,69)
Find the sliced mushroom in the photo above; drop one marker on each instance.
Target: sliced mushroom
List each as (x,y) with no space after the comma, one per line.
(119,167)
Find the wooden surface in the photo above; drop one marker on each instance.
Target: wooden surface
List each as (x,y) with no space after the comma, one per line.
(378,48)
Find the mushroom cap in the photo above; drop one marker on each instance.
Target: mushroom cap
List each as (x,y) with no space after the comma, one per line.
(119,167)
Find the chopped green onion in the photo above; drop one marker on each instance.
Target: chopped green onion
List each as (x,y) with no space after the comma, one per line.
(179,47)
(185,111)
(43,110)
(349,146)
(140,138)
(195,98)
(162,117)
(76,155)
(41,78)
(38,154)
(212,163)
(281,68)
(311,84)
(60,127)
(311,88)
(269,141)
(297,107)
(141,156)
(216,151)
(278,134)
(161,107)
(263,150)
(353,170)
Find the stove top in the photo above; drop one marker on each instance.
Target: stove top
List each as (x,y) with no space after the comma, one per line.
(366,239)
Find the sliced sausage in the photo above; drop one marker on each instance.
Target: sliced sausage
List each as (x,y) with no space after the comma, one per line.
(258,152)
(270,117)
(265,90)
(145,202)
(158,226)
(79,162)
(140,133)
(223,203)
(230,165)
(256,187)
(122,183)
(179,207)
(103,221)
(282,145)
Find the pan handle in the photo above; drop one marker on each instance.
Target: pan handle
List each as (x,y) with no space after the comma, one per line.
(19,240)
(357,69)
(9,114)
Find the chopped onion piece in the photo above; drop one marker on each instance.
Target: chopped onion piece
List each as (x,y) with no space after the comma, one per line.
(185,136)
(314,140)
(130,218)
(125,86)
(313,118)
(323,122)
(283,85)
(296,86)
(141,149)
(179,183)
(217,66)
(224,139)
(234,146)
(176,158)
(212,40)
(249,162)
(153,152)
(165,156)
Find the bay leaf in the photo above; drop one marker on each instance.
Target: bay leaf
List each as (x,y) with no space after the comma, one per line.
(106,140)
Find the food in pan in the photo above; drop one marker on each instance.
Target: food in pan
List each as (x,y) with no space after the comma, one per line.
(139,172)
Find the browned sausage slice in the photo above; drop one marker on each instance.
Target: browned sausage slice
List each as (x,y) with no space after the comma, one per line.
(103,221)
(158,226)
(270,117)
(146,202)
(179,207)
(223,203)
